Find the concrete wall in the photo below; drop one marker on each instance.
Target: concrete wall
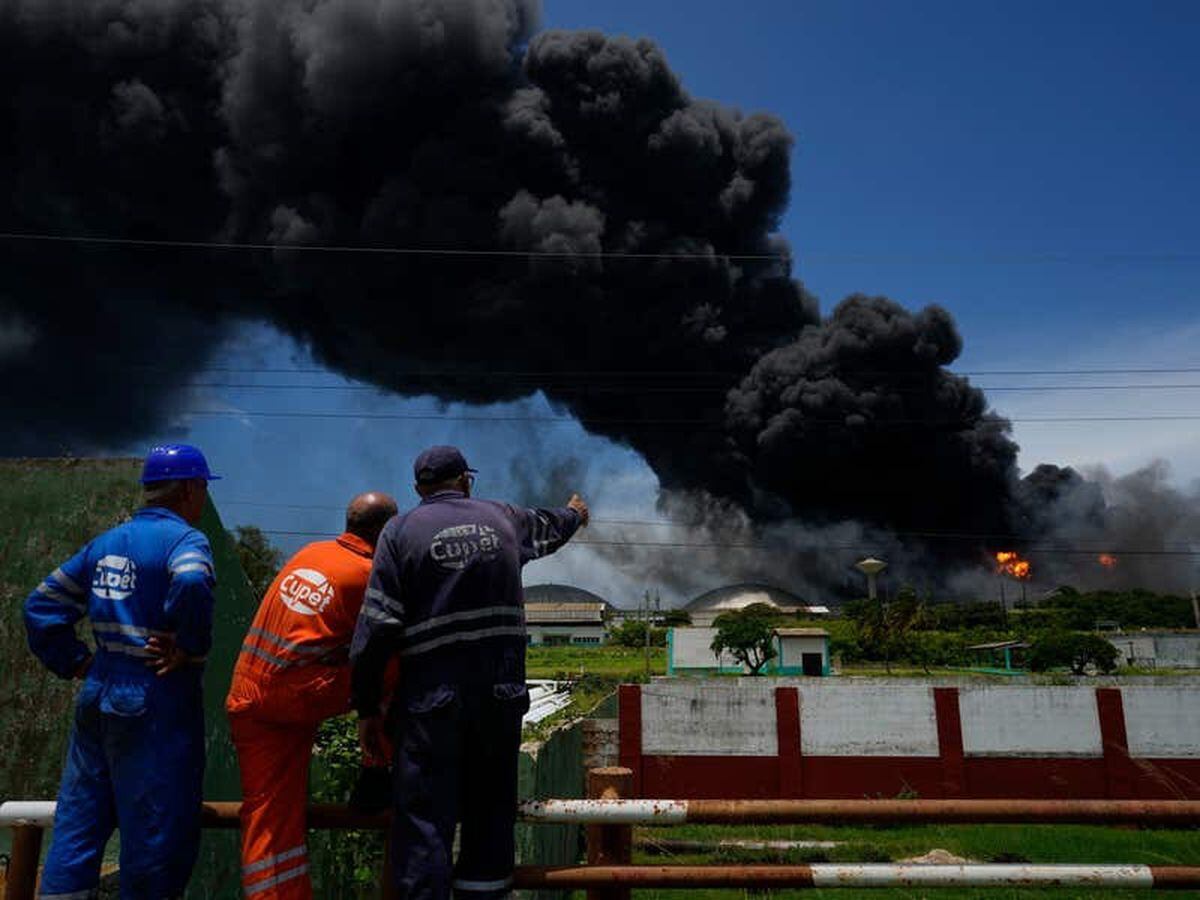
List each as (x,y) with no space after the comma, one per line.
(767,737)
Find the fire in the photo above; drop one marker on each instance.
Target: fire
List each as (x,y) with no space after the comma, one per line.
(1107,560)
(1009,562)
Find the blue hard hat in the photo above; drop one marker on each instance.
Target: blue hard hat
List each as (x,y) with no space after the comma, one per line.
(175,462)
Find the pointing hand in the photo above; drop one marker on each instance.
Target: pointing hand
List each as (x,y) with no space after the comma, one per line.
(578,504)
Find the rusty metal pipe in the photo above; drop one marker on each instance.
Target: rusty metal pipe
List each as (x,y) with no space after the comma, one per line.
(1179,813)
(21,881)
(828,875)
(1175,813)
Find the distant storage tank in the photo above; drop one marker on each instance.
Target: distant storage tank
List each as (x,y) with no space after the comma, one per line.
(708,606)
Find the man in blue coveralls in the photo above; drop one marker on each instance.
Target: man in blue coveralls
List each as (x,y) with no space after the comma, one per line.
(445,597)
(136,755)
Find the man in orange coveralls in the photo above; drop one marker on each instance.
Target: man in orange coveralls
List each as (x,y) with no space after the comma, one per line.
(292,673)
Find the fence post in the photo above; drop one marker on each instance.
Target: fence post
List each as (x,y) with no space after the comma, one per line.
(23,864)
(388,890)
(609,845)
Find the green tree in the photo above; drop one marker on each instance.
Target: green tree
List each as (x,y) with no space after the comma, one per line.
(632,633)
(748,635)
(1069,649)
(260,560)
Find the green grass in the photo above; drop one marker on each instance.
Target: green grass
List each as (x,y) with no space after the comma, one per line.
(623,663)
(51,508)
(984,843)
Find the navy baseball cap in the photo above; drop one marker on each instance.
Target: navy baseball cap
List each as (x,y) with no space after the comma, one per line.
(440,463)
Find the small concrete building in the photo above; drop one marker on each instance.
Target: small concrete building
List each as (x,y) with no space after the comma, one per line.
(801,651)
(1158,649)
(798,651)
(561,615)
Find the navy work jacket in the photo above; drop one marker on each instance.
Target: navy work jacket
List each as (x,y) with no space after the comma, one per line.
(445,595)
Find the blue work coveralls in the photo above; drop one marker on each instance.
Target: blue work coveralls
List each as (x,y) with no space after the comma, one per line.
(136,755)
(445,596)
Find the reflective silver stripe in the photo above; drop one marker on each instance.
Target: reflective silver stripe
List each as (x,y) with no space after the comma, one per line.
(269,657)
(127,649)
(74,895)
(380,615)
(130,630)
(192,567)
(274,860)
(499,884)
(476,635)
(184,557)
(506,611)
(288,645)
(72,588)
(389,603)
(259,886)
(51,593)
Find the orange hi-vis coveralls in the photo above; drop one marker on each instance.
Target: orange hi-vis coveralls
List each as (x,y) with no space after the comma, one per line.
(292,673)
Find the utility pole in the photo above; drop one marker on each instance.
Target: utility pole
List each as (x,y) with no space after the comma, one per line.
(1195,608)
(646,622)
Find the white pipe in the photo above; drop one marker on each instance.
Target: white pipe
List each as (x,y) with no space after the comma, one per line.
(605,812)
(27,812)
(916,875)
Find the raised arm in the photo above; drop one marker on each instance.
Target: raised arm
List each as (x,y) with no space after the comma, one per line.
(543,530)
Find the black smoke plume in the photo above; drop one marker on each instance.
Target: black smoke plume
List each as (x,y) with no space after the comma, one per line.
(599,235)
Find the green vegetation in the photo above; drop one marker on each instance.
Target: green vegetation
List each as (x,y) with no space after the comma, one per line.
(748,635)
(632,633)
(620,663)
(1079,652)
(982,843)
(51,509)
(260,560)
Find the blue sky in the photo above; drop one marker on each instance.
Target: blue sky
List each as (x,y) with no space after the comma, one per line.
(1030,166)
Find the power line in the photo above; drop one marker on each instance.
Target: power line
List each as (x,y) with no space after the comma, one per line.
(827,257)
(656,373)
(386,251)
(923,534)
(685,389)
(549,419)
(856,548)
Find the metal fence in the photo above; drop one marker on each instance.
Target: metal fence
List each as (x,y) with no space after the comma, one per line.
(609,873)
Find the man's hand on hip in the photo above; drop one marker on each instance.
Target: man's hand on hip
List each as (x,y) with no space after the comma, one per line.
(373,741)
(165,655)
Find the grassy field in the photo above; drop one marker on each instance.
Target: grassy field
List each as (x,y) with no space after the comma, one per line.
(981,843)
(621,663)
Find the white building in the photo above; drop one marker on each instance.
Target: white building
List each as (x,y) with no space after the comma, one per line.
(1158,649)
(561,615)
(798,651)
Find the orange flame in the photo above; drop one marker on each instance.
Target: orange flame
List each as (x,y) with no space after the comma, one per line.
(1009,562)
(1107,560)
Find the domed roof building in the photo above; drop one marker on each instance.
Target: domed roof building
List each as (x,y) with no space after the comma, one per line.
(708,606)
(560,593)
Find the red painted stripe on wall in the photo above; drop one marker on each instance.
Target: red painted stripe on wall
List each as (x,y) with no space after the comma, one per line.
(1118,772)
(950,741)
(629,725)
(787,727)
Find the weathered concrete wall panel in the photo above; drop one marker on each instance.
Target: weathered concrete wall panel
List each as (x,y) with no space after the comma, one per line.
(709,718)
(1162,722)
(867,720)
(1020,720)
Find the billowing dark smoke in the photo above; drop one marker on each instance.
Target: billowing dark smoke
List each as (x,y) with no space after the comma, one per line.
(575,162)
